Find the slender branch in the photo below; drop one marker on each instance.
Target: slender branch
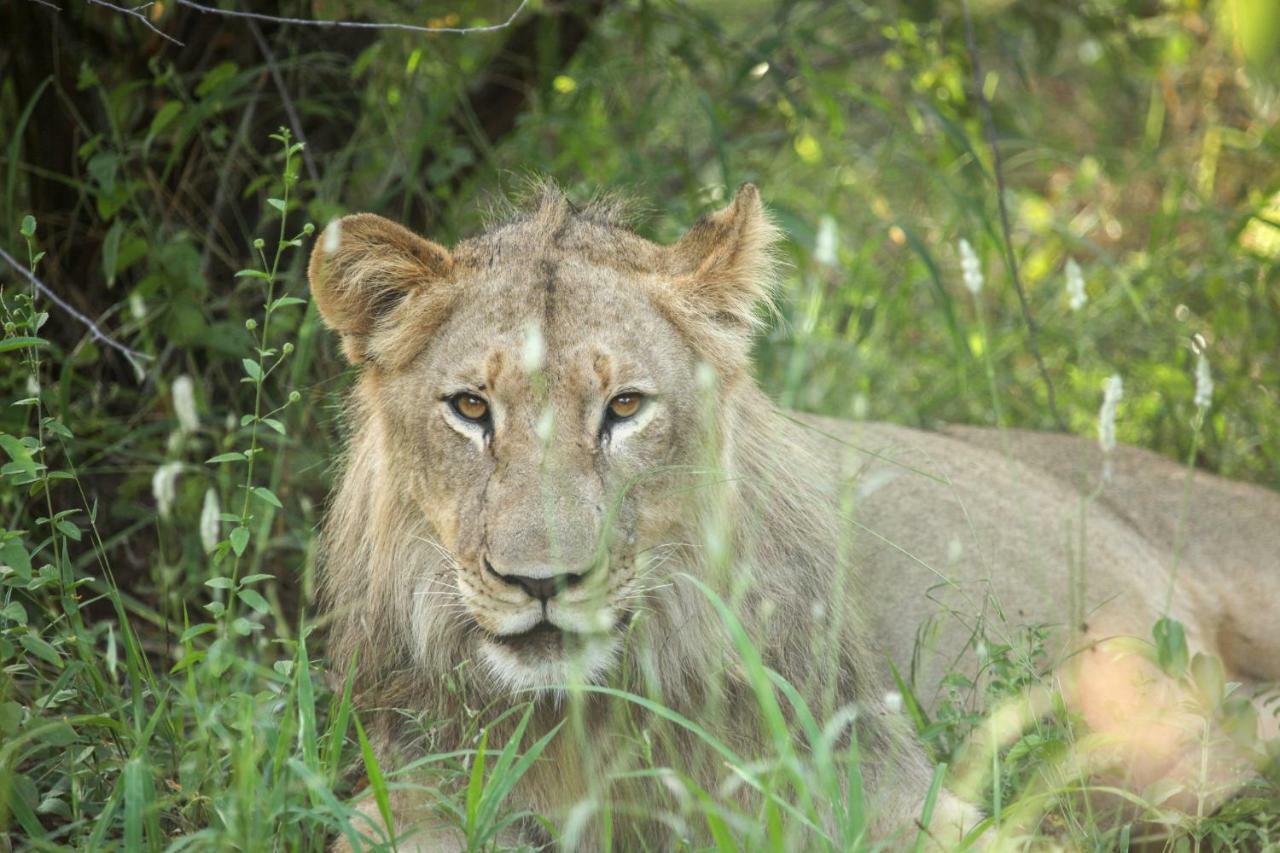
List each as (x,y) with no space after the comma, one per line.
(48,5)
(295,122)
(989,128)
(134,357)
(136,12)
(361,25)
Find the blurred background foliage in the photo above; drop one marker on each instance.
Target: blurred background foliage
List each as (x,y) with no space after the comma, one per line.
(1139,139)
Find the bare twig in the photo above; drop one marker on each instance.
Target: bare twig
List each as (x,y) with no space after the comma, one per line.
(47,4)
(134,357)
(361,25)
(136,12)
(290,110)
(989,128)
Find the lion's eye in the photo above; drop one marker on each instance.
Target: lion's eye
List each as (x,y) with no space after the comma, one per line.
(624,406)
(470,407)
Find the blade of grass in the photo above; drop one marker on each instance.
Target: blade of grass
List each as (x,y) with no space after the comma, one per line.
(377,782)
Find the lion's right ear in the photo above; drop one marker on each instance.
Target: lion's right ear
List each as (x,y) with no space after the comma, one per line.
(365,271)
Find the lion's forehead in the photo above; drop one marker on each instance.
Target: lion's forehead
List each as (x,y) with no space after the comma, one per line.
(562,316)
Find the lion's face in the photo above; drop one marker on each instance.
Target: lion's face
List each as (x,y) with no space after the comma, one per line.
(539,415)
(537,392)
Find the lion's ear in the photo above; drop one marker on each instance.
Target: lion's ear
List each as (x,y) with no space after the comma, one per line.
(725,264)
(363,271)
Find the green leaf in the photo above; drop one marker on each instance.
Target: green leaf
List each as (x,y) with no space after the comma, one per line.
(233,456)
(220,583)
(286,300)
(10,717)
(19,454)
(254,599)
(239,540)
(58,428)
(277,203)
(275,425)
(1210,678)
(196,631)
(267,496)
(41,649)
(69,530)
(9,344)
(13,555)
(163,118)
(253,274)
(249,579)
(111,252)
(28,227)
(1171,646)
(252,369)
(14,612)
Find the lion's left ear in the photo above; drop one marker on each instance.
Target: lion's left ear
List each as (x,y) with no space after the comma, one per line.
(725,265)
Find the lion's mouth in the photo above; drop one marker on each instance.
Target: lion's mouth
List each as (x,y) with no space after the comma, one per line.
(543,636)
(546,656)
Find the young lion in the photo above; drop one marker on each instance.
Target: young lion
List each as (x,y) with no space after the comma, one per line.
(560,470)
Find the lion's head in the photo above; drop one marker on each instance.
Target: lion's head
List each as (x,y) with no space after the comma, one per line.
(525,404)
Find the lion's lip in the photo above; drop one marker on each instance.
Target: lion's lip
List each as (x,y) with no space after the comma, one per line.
(544,628)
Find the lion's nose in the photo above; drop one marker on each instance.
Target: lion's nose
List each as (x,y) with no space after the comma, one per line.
(541,587)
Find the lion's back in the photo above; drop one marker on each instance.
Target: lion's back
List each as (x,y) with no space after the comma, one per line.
(965,533)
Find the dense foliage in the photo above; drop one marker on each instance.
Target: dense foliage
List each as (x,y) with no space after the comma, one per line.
(159,681)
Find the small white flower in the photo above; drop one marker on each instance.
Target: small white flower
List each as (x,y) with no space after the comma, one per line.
(164,486)
(970,268)
(210,521)
(1112,391)
(1075,285)
(893,701)
(33,385)
(825,244)
(137,306)
(1204,382)
(184,403)
(332,237)
(533,353)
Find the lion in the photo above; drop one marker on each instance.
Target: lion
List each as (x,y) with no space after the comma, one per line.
(565,500)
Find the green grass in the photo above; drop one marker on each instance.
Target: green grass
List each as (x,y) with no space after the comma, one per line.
(163,687)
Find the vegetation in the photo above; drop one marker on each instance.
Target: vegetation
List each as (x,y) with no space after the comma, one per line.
(161,676)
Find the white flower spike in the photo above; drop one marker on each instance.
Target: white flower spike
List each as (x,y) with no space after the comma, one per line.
(1204,382)
(184,404)
(210,521)
(164,486)
(1112,391)
(826,243)
(970,268)
(1076,297)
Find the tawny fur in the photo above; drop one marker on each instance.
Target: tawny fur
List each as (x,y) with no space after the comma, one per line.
(838,540)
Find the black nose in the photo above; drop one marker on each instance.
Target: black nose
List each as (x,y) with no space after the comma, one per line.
(541,588)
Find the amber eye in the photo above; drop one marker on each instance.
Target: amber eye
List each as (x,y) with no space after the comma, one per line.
(470,407)
(624,406)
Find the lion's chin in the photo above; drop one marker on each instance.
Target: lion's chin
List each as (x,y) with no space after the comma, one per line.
(546,662)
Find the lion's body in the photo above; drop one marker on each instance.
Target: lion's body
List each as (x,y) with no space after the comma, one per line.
(1015,529)
(832,543)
